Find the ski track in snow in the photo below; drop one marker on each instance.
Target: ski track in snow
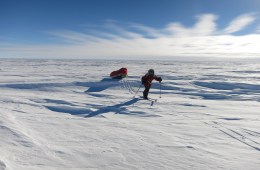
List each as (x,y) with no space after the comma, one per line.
(57,114)
(238,135)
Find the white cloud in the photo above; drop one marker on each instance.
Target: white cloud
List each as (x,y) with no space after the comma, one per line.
(122,42)
(239,23)
(205,26)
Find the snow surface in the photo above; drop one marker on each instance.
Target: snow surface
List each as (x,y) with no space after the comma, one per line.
(69,115)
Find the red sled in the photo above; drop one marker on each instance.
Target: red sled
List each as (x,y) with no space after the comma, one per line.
(119,74)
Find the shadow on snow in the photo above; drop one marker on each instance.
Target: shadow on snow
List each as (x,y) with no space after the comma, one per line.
(92,112)
(118,109)
(104,84)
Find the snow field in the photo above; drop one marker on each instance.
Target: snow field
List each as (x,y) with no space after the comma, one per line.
(68,114)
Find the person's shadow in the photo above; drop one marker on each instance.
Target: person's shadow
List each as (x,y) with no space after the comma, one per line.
(118,108)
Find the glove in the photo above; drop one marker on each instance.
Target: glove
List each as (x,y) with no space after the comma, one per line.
(159,79)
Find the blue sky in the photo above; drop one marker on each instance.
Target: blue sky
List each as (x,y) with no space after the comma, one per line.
(129,28)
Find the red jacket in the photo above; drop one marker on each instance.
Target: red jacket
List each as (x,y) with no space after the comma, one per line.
(147,79)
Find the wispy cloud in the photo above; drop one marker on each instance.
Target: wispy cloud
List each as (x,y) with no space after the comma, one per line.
(148,31)
(258,29)
(72,36)
(239,23)
(136,40)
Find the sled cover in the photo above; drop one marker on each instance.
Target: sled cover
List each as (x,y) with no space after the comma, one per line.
(119,74)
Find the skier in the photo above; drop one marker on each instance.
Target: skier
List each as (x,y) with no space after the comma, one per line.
(147,82)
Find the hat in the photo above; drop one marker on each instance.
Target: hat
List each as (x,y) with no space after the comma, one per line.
(151,72)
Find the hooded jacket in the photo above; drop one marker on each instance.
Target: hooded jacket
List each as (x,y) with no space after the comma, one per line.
(148,78)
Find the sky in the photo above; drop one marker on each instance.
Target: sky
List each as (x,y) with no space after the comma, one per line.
(125,29)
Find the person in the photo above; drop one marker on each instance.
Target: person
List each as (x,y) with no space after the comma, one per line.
(147,81)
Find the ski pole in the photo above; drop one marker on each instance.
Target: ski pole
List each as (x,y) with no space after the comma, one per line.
(160,90)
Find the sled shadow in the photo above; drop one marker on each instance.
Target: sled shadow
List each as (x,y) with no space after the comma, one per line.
(101,85)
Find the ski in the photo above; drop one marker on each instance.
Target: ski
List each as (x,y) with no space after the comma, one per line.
(153,101)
